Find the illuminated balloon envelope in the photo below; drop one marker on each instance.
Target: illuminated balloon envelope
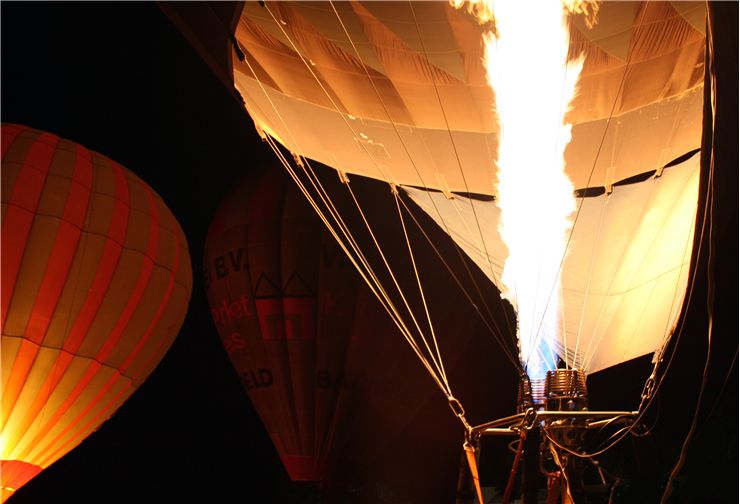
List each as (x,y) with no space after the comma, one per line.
(96,281)
(398,92)
(282,296)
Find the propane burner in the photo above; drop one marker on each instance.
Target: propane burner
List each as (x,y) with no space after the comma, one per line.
(524,399)
(565,390)
(530,394)
(557,431)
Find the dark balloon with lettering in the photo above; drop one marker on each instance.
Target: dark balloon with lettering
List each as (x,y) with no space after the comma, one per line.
(283,297)
(257,378)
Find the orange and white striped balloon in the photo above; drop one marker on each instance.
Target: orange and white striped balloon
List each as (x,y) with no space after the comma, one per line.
(96,280)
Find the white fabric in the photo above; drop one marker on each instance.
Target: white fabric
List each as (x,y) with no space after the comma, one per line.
(626,270)
(426,118)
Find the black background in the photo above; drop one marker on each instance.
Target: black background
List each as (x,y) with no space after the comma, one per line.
(120,79)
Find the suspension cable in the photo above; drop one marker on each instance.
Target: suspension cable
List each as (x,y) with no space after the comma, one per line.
(374,285)
(398,318)
(421,289)
(496,332)
(452,142)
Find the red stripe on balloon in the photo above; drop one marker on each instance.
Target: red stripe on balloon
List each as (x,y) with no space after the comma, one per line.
(162,306)
(96,293)
(116,236)
(271,318)
(112,380)
(142,282)
(10,132)
(55,275)
(63,251)
(26,354)
(16,227)
(92,423)
(128,312)
(299,314)
(109,262)
(24,201)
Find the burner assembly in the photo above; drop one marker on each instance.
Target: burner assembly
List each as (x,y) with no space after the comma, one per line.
(565,391)
(556,431)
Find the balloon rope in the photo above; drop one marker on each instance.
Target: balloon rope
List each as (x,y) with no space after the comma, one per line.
(694,421)
(568,497)
(375,285)
(439,375)
(365,271)
(437,364)
(650,389)
(612,440)
(708,217)
(589,355)
(328,95)
(327,202)
(588,286)
(449,133)
(325,198)
(421,291)
(359,208)
(720,392)
(686,261)
(658,172)
(457,157)
(479,247)
(495,332)
(424,184)
(661,158)
(538,335)
(562,328)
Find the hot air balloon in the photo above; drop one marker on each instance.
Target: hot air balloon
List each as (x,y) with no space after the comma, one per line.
(400,93)
(96,281)
(283,300)
(313,347)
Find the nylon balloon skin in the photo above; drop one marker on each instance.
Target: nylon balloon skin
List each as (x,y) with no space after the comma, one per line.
(96,281)
(282,297)
(397,90)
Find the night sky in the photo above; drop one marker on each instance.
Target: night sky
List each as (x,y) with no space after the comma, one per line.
(120,79)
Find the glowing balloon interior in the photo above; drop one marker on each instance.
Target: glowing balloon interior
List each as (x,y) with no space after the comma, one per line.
(401,93)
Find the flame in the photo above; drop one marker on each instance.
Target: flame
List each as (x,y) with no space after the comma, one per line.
(534,83)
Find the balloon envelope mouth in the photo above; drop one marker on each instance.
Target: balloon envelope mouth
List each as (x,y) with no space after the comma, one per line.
(304,468)
(15,474)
